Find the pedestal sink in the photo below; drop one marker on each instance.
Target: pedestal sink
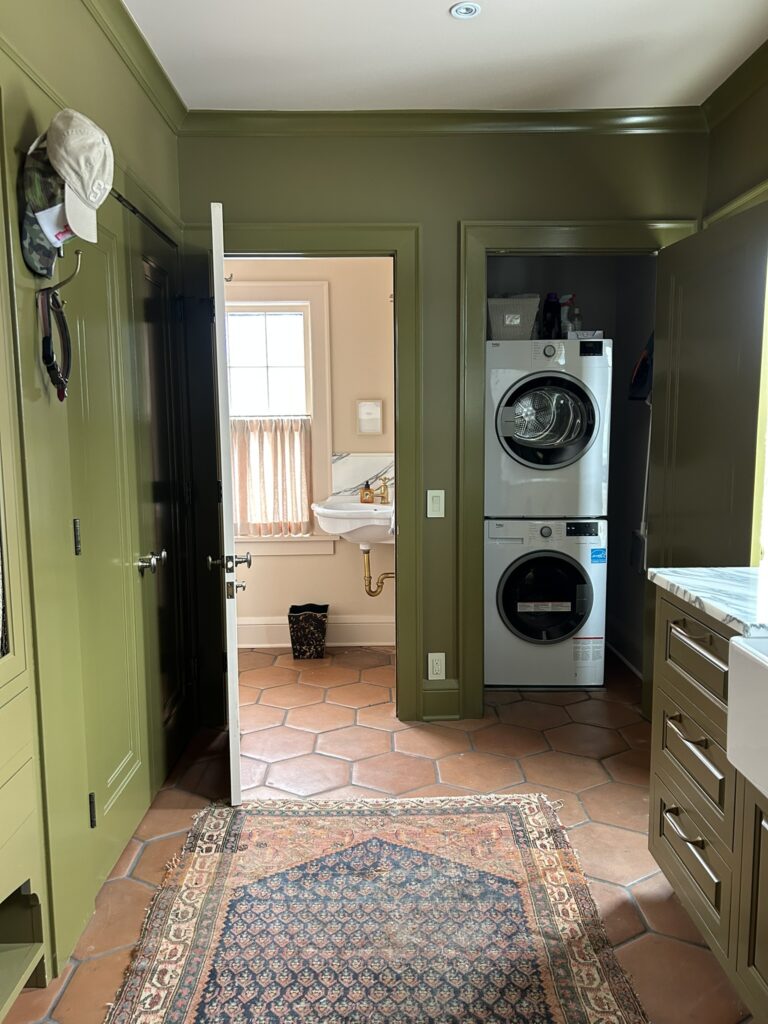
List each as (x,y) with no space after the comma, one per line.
(355,521)
(747,738)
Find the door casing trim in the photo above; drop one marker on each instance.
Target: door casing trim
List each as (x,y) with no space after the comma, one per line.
(403,243)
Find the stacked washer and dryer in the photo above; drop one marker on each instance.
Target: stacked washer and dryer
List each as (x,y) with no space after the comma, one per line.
(547,436)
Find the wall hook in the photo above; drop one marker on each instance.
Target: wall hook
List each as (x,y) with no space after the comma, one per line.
(72,276)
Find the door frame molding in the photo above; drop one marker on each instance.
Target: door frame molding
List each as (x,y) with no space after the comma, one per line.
(477,240)
(403,243)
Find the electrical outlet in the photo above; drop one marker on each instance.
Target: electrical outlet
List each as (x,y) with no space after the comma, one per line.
(436,664)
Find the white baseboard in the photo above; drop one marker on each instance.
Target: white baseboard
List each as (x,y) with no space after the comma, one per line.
(343,631)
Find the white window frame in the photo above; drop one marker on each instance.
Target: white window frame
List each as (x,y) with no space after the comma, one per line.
(271,296)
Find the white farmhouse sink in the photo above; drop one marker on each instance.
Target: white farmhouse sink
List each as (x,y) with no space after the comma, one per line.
(355,521)
(747,737)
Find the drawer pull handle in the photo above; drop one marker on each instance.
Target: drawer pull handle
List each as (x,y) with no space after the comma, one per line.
(670,814)
(702,741)
(699,643)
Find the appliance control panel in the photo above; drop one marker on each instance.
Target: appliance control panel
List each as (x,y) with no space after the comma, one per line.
(541,533)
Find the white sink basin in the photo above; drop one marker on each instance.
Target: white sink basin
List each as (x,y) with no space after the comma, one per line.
(747,737)
(355,521)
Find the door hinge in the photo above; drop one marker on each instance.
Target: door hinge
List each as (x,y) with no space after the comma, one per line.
(92,809)
(187,490)
(179,304)
(76,536)
(220,491)
(224,661)
(212,309)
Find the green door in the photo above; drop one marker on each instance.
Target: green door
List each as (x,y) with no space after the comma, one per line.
(103,494)
(706,391)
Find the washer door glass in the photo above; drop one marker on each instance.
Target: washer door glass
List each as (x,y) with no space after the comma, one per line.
(547,421)
(544,597)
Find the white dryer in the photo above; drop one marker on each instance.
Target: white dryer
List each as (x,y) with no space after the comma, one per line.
(545,583)
(547,428)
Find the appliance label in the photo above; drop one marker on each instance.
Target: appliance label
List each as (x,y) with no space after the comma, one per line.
(599,555)
(543,606)
(512,319)
(587,649)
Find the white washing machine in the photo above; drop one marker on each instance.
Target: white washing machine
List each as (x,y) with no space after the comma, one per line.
(547,428)
(545,583)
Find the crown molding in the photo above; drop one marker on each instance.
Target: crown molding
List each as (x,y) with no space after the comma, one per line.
(130,45)
(660,120)
(738,87)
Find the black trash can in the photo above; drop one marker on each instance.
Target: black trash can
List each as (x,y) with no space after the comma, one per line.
(308,623)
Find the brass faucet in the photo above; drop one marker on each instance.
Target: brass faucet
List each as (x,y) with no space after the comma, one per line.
(381,493)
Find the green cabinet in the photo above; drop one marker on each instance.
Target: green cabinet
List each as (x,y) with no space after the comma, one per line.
(708,826)
(23,887)
(752,942)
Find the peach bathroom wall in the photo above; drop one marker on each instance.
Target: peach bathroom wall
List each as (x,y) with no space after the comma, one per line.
(362,366)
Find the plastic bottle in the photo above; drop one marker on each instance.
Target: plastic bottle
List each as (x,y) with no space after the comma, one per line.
(566,314)
(577,324)
(550,316)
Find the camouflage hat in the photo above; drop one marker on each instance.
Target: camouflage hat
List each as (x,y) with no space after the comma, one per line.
(43,222)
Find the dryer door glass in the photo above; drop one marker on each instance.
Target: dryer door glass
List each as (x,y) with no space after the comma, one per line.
(547,421)
(544,597)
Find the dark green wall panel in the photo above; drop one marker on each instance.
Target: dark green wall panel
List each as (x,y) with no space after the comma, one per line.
(436,182)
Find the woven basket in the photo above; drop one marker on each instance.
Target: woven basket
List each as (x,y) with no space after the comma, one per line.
(512,319)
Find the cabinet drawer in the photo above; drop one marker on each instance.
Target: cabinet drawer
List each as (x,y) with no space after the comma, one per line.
(695,657)
(685,750)
(689,854)
(15,728)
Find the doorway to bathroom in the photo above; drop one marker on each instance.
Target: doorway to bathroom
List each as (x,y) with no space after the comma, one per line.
(220,562)
(311,389)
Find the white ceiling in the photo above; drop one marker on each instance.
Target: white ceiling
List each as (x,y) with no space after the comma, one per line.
(410,54)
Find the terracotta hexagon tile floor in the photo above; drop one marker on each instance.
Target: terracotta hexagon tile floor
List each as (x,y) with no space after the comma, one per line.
(347,743)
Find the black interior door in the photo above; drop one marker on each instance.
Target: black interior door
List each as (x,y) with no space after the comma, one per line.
(165,497)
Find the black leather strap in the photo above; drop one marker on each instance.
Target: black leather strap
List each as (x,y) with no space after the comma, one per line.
(51,310)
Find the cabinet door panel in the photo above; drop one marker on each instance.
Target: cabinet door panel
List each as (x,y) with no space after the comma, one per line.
(752,962)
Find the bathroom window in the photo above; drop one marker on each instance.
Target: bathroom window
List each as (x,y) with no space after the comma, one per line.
(267,362)
(279,395)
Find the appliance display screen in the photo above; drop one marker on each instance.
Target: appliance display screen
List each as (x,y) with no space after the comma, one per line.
(581,530)
(590,348)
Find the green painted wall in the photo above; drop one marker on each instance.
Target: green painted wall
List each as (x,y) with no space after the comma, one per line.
(54,55)
(437,181)
(737,114)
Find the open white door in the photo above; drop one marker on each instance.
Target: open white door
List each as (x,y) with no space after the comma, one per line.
(225,559)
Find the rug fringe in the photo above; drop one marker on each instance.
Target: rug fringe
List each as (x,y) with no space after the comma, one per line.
(168,870)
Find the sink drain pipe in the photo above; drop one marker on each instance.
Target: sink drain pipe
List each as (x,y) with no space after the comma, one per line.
(368,579)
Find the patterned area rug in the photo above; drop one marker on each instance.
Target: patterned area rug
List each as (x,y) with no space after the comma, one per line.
(431,911)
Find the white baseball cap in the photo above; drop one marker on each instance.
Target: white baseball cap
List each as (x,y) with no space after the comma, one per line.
(81,154)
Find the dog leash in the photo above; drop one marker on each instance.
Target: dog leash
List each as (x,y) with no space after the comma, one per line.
(51,310)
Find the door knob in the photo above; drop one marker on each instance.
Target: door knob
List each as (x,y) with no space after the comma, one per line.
(226,562)
(232,588)
(163,557)
(245,559)
(147,562)
(239,585)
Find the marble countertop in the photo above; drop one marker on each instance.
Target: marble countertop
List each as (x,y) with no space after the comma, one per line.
(737,597)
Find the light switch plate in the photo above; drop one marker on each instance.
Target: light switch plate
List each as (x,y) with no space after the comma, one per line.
(435,504)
